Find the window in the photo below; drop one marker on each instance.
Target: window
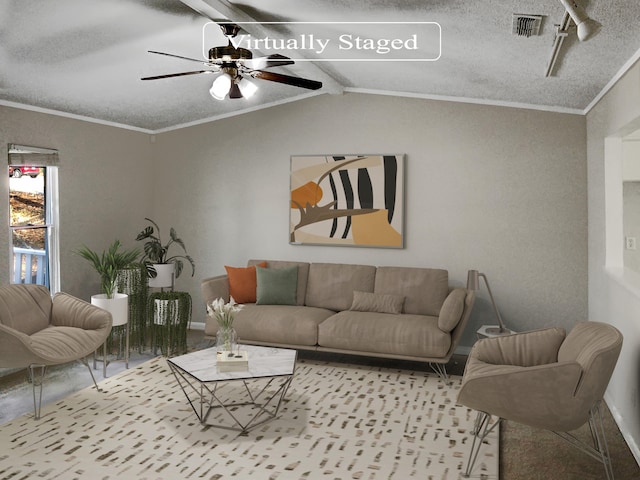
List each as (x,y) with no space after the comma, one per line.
(631,199)
(33,207)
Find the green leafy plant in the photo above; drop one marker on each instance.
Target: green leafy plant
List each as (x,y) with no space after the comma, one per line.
(108,263)
(157,252)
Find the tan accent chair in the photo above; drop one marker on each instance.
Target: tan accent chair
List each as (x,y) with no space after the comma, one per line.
(37,331)
(545,379)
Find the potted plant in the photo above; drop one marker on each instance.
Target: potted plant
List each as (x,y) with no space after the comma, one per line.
(107,265)
(161,267)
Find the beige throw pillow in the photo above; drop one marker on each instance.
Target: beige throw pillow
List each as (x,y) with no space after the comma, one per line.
(377,302)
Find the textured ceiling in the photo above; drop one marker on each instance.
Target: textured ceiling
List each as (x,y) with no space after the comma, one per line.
(86,57)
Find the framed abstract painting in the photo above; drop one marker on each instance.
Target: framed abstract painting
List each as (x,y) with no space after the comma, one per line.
(348,200)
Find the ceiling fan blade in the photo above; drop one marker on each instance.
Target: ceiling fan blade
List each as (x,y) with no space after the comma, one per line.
(287,79)
(157,77)
(204,62)
(275,60)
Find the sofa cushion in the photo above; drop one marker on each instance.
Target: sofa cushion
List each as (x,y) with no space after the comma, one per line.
(331,285)
(452,309)
(285,324)
(377,302)
(424,289)
(276,286)
(243,283)
(303,275)
(411,335)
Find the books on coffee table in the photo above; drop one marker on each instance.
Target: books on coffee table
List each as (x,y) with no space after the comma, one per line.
(231,361)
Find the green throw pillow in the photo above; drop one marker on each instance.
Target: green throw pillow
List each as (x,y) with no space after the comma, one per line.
(276,286)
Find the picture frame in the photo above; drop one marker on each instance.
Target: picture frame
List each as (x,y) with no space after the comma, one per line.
(347,200)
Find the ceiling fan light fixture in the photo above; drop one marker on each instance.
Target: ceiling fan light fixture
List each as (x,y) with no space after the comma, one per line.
(221,86)
(233,63)
(234,91)
(247,88)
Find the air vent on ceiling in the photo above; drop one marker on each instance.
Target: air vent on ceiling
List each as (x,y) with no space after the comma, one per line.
(526,25)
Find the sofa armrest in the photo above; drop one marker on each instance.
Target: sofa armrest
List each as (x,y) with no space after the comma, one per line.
(456,333)
(69,311)
(215,287)
(452,309)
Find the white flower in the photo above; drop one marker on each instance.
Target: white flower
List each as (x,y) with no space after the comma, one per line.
(224,313)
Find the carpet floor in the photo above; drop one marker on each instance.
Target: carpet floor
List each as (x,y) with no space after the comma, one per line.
(525,453)
(339,421)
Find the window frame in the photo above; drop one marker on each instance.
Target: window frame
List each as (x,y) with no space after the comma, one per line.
(48,160)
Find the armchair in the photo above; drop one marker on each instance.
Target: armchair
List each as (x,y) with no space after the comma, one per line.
(37,331)
(544,379)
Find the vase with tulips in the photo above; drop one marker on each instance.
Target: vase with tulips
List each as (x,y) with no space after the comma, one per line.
(224,314)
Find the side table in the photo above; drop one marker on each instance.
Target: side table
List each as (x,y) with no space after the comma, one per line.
(169,316)
(484,333)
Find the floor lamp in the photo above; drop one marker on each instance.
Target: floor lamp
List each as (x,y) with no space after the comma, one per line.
(473,283)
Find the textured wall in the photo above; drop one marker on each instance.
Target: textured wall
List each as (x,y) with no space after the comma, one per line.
(501,190)
(614,293)
(105,187)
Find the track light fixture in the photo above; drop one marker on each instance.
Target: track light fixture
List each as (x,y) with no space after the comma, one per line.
(587,28)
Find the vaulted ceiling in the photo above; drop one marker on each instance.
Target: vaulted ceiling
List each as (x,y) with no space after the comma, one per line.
(86,57)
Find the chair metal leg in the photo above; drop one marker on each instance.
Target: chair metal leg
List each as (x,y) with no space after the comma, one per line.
(600,449)
(85,362)
(36,376)
(481,429)
(599,439)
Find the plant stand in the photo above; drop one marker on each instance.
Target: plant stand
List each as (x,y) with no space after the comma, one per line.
(118,306)
(133,282)
(169,314)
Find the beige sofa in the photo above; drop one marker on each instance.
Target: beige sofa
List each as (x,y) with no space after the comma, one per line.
(394,312)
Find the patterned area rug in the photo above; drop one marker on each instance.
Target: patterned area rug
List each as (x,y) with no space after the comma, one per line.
(339,421)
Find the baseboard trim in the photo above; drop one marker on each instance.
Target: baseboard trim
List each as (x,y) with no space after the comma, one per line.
(460,350)
(626,434)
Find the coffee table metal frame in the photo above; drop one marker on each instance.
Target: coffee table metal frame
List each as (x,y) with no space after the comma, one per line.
(200,380)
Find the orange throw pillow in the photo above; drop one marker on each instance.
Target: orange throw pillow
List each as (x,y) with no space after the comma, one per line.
(243,283)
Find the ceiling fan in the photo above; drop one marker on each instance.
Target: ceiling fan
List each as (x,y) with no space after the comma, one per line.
(235,64)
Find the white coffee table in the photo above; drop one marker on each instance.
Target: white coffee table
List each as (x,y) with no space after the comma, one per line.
(265,380)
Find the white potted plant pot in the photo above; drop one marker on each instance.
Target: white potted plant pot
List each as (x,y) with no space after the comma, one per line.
(164,277)
(118,306)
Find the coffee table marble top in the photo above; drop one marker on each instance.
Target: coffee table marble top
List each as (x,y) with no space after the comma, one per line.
(263,362)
